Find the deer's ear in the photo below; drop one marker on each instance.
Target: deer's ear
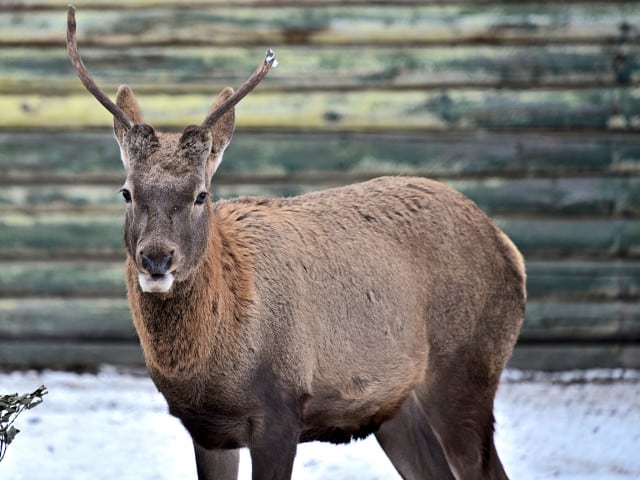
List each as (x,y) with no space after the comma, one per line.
(126,100)
(221,132)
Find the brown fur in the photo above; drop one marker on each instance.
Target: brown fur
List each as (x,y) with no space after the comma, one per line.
(387,307)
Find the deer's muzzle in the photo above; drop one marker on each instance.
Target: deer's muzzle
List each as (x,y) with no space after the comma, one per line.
(155,265)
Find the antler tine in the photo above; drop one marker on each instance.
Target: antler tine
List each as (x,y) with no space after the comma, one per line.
(82,72)
(268,62)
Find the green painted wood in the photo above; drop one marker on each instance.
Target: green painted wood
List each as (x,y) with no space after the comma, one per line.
(108,319)
(575,356)
(559,238)
(63,354)
(36,318)
(72,158)
(54,235)
(566,281)
(373,110)
(51,235)
(556,321)
(90,355)
(536,133)
(142,4)
(580,280)
(154,70)
(495,23)
(80,278)
(562,196)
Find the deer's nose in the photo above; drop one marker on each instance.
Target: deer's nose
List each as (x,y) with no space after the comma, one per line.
(156,264)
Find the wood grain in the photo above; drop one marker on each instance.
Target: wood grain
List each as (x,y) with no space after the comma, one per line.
(173,70)
(531,109)
(75,158)
(497,23)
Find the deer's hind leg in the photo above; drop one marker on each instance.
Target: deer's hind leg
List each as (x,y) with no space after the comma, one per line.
(458,402)
(411,445)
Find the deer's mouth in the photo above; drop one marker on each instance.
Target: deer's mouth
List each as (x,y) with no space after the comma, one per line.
(157,283)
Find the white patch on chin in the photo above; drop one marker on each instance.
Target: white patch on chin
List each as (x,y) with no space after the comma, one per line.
(155,285)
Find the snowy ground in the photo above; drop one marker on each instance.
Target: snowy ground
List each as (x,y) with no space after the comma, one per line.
(114,425)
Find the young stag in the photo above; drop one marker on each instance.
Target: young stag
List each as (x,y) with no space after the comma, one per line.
(388,307)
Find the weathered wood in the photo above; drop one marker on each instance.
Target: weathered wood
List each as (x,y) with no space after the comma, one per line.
(496,23)
(13,5)
(64,354)
(571,237)
(50,235)
(202,70)
(71,158)
(80,278)
(375,110)
(557,321)
(108,319)
(566,281)
(614,196)
(540,135)
(38,318)
(575,356)
(580,280)
(90,355)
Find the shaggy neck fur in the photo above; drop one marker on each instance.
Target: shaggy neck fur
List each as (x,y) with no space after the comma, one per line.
(184,331)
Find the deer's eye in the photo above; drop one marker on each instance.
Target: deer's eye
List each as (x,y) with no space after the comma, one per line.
(201,198)
(126,194)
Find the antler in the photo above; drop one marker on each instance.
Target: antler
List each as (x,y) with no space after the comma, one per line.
(82,72)
(250,84)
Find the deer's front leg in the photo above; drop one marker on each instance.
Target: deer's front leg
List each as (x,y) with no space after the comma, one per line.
(216,464)
(274,441)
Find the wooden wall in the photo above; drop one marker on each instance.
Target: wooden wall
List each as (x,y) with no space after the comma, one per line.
(530,108)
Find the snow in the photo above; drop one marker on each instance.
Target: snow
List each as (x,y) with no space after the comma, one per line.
(114,425)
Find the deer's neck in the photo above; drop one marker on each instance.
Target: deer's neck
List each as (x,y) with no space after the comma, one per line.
(201,319)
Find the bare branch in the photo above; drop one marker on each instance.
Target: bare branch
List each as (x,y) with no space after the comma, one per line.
(250,84)
(82,72)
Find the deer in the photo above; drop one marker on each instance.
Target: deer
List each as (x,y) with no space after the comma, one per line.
(388,307)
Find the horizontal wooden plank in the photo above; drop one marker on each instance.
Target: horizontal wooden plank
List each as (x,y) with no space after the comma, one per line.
(108,319)
(69,355)
(71,319)
(63,279)
(558,321)
(30,5)
(582,280)
(612,196)
(51,235)
(496,23)
(36,157)
(563,196)
(91,355)
(564,238)
(154,70)
(374,110)
(575,356)
(565,280)
(194,4)
(142,4)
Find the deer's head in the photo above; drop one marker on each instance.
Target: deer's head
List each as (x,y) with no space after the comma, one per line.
(168,176)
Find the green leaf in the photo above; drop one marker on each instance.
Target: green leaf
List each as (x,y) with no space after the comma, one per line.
(10,407)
